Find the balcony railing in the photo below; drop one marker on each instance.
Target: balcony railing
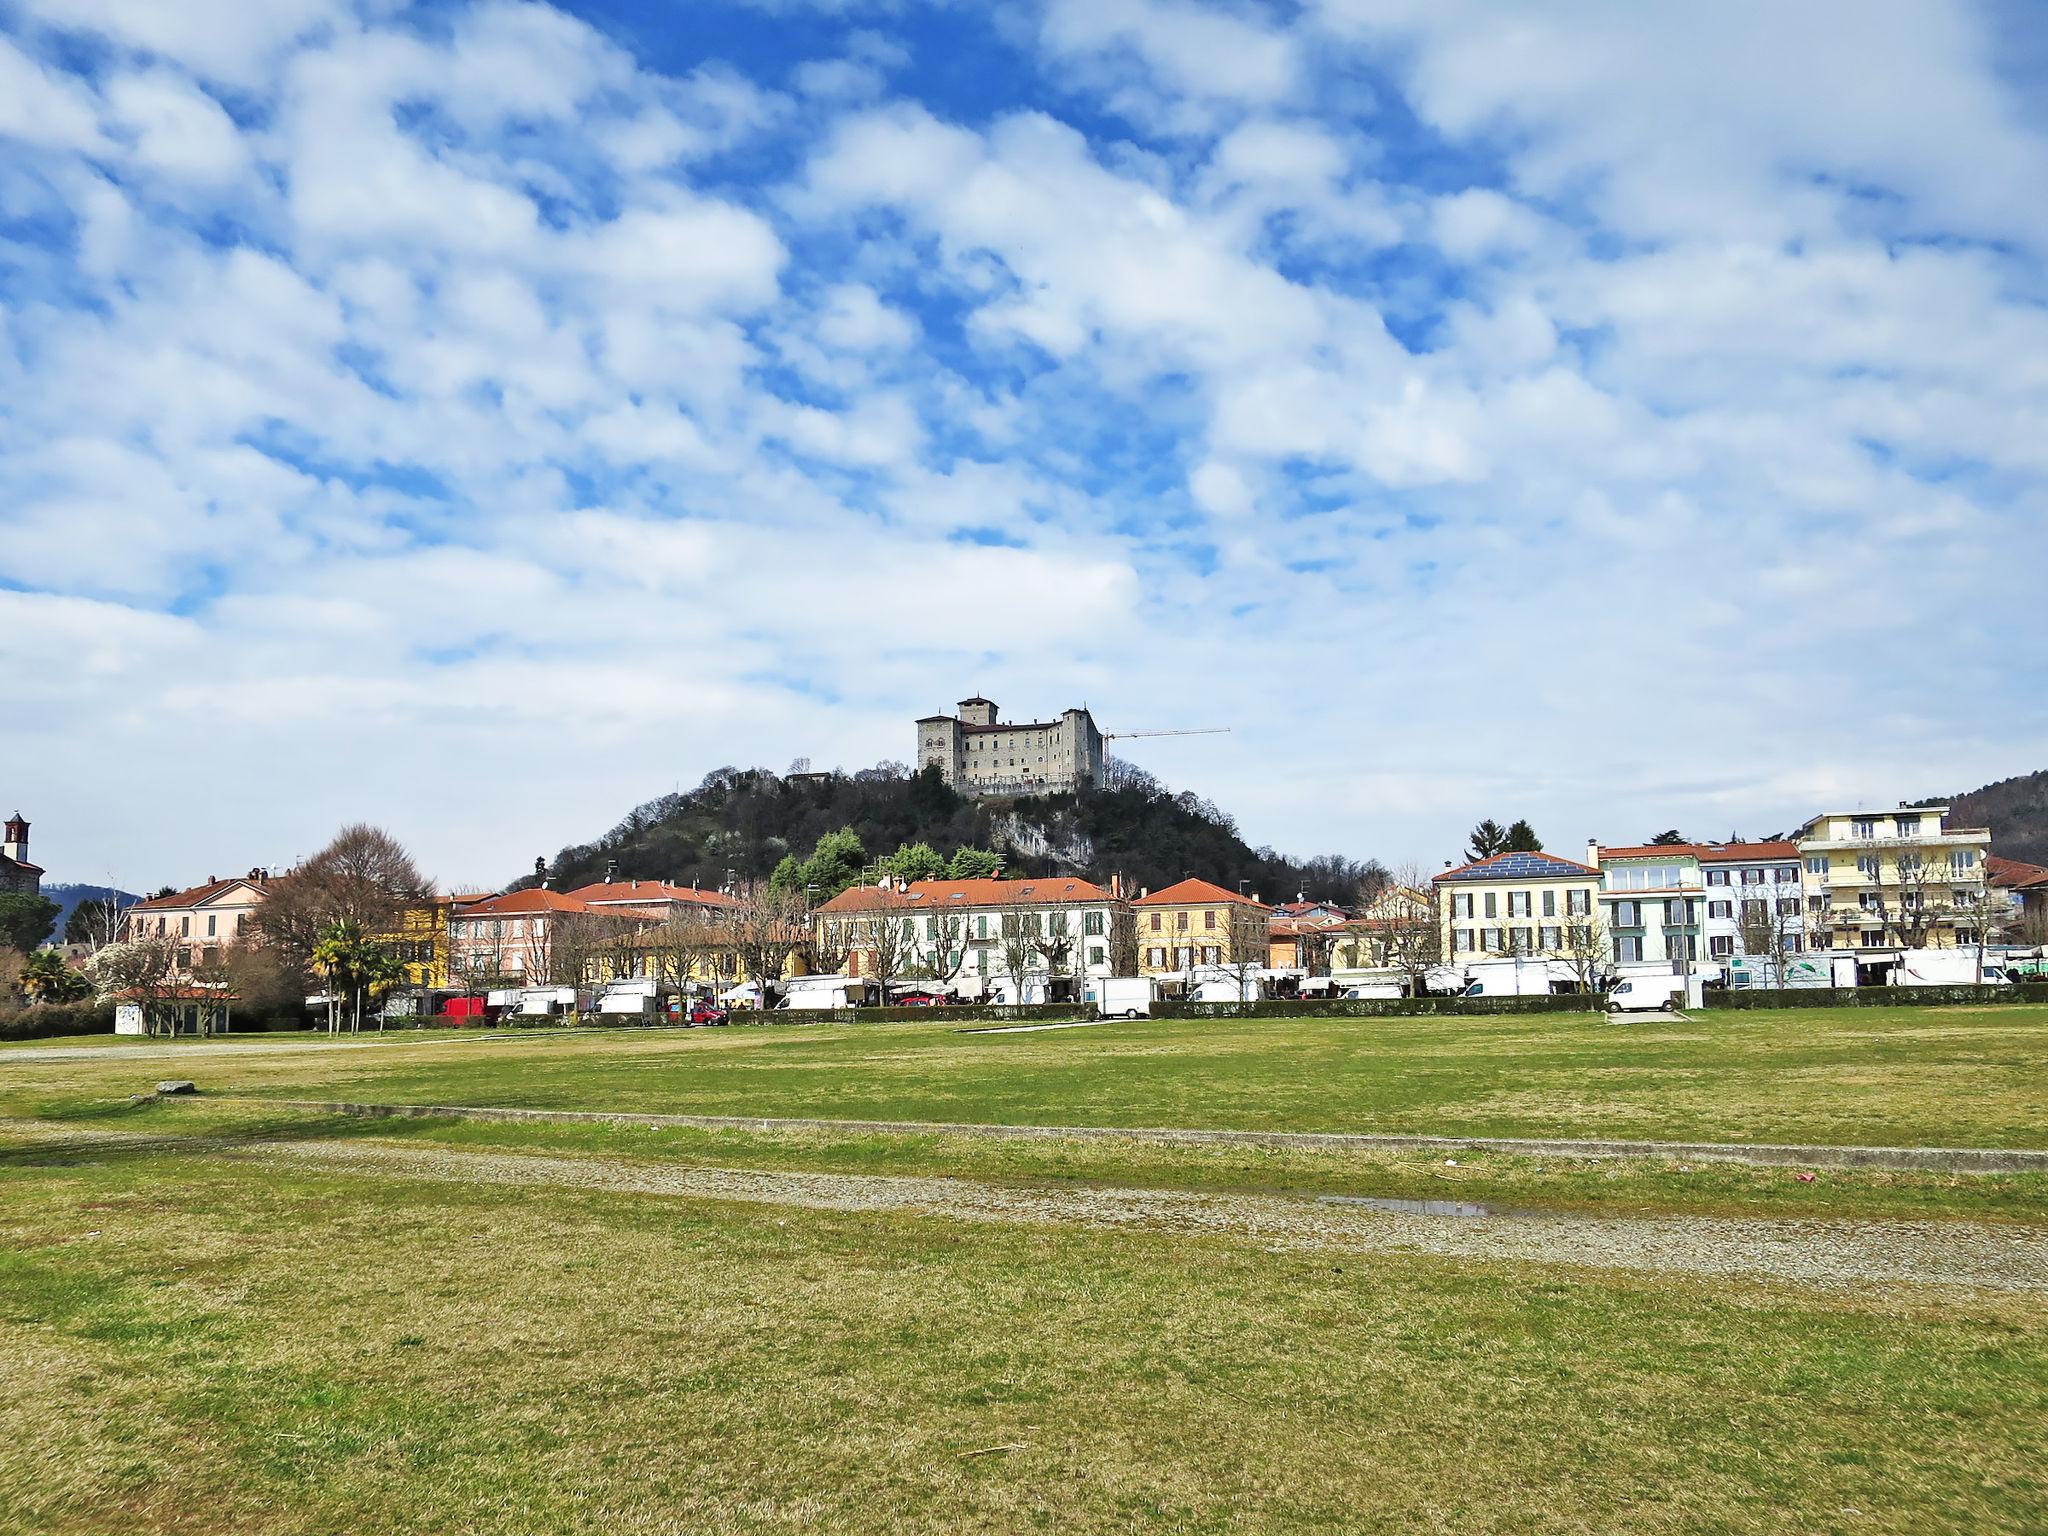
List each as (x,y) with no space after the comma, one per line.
(1958,835)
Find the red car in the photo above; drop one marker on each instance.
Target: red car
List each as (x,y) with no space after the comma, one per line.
(707,1013)
(921,1000)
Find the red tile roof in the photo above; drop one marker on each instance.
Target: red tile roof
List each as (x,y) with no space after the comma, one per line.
(197,896)
(940,895)
(625,892)
(2013,875)
(518,903)
(1194,893)
(1748,853)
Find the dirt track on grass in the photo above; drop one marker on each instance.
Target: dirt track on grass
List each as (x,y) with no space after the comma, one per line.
(1826,1252)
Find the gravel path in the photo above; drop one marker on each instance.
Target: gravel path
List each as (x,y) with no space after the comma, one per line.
(1824,1252)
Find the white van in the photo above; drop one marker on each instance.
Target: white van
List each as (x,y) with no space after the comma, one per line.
(1126,997)
(1642,993)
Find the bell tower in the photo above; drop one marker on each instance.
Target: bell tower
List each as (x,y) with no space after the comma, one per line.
(15,842)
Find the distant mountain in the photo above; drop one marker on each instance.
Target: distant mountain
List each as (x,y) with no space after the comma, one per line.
(68,897)
(740,822)
(2016,811)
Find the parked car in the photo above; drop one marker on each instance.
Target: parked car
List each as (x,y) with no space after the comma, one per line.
(708,1013)
(922,1000)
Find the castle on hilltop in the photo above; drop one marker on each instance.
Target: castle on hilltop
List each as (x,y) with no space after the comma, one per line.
(978,756)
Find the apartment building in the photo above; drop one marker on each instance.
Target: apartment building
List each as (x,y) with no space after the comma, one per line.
(1756,899)
(979,755)
(1195,923)
(1899,878)
(509,939)
(204,919)
(1013,935)
(1652,902)
(1513,904)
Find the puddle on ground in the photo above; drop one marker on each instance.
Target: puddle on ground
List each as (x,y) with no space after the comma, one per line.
(1463,1208)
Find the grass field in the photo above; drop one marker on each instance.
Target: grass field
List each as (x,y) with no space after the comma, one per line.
(1864,1076)
(198,1340)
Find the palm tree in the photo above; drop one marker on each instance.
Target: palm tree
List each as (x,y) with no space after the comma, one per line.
(336,955)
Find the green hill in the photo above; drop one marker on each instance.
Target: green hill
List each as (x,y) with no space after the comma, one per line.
(2016,811)
(740,822)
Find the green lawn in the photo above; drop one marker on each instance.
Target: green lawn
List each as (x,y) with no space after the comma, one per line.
(198,1343)
(202,1346)
(1886,1076)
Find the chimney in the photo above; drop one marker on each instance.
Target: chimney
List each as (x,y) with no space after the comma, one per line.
(1593,851)
(1144,891)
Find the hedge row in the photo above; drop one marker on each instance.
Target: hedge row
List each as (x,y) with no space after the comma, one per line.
(1875,997)
(44,1021)
(1375,1007)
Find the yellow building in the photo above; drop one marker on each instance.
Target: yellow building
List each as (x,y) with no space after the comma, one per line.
(1196,924)
(420,937)
(1896,879)
(1515,904)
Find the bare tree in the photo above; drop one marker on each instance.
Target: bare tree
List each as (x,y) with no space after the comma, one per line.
(947,954)
(96,923)
(768,926)
(1055,946)
(886,941)
(1403,924)
(363,877)
(148,972)
(1925,902)
(1586,947)
(1017,945)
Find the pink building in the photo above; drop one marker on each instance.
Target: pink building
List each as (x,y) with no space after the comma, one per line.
(212,916)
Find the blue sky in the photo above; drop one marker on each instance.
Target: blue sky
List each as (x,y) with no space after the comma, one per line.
(479,417)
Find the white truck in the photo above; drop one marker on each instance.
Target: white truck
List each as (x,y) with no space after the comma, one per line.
(1126,997)
(825,993)
(1517,978)
(1945,968)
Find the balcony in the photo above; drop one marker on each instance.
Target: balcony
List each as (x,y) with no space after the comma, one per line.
(1963,837)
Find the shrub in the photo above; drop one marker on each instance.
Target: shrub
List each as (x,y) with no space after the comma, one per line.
(45,1021)
(1876,997)
(1380,1007)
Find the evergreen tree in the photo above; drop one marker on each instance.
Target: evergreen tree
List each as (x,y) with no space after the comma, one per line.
(1672,839)
(1522,838)
(1488,838)
(973,864)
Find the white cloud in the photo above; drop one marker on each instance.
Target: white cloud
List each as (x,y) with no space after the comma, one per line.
(475,385)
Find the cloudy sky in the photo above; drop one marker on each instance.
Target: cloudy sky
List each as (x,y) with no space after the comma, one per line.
(479,418)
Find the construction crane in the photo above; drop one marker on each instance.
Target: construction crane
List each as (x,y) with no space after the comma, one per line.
(1200,730)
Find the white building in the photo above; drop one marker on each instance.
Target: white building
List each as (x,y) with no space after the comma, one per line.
(979,756)
(1652,902)
(965,935)
(1753,884)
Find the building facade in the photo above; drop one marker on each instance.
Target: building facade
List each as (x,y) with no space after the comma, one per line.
(1893,879)
(16,872)
(1652,902)
(974,935)
(1756,900)
(1515,904)
(203,920)
(509,940)
(978,755)
(1195,924)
